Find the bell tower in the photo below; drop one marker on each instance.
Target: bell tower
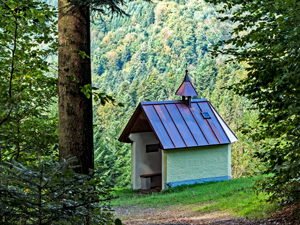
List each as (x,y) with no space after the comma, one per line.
(186,89)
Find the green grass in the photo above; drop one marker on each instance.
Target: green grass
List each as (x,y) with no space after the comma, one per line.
(235,197)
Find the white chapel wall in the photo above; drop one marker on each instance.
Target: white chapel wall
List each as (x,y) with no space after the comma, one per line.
(142,162)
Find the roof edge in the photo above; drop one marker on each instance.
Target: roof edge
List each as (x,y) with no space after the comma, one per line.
(222,120)
(127,127)
(127,131)
(196,146)
(172,102)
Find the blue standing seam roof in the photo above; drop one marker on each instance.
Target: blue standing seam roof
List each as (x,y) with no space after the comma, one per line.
(178,126)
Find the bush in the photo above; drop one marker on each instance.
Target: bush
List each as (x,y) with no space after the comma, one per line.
(52,193)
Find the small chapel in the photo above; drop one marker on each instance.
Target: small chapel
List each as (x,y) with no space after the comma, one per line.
(178,142)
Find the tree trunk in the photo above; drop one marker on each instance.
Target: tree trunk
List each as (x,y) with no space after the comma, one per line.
(75,109)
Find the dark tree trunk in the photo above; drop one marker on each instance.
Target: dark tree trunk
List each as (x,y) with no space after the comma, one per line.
(75,109)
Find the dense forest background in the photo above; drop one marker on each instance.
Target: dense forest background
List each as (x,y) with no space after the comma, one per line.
(143,57)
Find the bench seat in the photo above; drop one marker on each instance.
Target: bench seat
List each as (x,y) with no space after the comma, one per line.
(146,180)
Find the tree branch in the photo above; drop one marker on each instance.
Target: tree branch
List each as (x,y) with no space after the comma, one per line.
(1,154)
(5,46)
(11,72)
(6,117)
(12,61)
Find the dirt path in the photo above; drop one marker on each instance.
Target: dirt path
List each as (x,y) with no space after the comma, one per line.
(179,215)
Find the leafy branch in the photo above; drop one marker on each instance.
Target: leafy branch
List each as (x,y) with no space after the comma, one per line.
(82,53)
(89,91)
(11,71)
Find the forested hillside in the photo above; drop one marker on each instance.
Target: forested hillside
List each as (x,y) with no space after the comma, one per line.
(143,58)
(239,55)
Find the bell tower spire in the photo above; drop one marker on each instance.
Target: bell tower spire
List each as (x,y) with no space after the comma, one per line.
(186,89)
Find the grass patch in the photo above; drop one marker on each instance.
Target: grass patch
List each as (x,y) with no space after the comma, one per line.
(235,197)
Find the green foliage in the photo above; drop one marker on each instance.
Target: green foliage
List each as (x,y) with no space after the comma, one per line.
(27,89)
(82,54)
(88,90)
(51,193)
(112,155)
(272,84)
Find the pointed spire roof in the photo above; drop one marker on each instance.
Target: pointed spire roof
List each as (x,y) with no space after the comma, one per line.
(186,88)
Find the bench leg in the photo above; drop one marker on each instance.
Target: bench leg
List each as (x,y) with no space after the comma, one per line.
(146,183)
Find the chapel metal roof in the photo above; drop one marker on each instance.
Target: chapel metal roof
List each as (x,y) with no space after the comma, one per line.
(178,126)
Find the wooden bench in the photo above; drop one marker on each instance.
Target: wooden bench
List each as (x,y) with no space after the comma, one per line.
(146,180)
(150,175)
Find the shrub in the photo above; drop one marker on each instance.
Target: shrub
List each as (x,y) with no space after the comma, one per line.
(52,193)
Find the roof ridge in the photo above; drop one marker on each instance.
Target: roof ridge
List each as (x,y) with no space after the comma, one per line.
(173,101)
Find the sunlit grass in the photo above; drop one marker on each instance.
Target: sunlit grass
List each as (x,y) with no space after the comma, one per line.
(235,197)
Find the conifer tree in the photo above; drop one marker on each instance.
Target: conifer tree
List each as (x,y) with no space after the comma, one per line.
(74,78)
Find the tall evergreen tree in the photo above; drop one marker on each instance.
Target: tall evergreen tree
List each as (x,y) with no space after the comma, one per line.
(75,109)
(74,78)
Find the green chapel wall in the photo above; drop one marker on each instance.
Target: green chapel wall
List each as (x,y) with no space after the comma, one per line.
(198,163)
